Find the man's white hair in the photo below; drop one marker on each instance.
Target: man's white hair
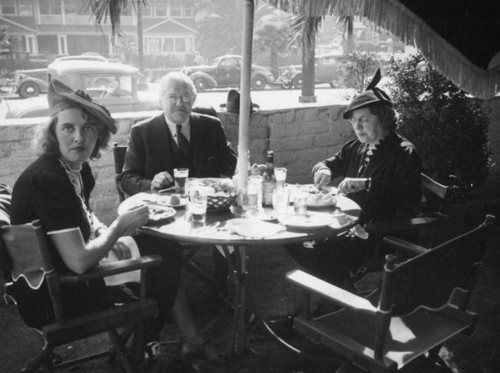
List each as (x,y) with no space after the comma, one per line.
(178,76)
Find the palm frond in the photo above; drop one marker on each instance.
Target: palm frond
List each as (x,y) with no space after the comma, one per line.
(303,30)
(112,9)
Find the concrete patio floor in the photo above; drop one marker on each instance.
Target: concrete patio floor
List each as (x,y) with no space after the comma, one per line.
(479,353)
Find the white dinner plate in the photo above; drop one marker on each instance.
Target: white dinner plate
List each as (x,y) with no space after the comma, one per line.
(312,220)
(314,202)
(253,228)
(157,212)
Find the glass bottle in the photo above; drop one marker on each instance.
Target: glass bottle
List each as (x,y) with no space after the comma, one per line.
(269,183)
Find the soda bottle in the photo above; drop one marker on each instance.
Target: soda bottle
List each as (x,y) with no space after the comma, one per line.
(269,183)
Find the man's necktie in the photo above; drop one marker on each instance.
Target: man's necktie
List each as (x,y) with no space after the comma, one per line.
(182,142)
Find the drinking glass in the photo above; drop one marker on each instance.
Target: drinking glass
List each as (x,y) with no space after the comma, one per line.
(280,174)
(300,201)
(252,196)
(198,206)
(180,177)
(280,200)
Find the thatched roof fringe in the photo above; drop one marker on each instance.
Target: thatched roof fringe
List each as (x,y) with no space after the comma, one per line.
(392,16)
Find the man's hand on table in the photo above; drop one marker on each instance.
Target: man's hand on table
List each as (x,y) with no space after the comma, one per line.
(161,180)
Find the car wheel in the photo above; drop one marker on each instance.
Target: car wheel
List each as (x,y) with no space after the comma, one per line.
(29,89)
(200,84)
(297,81)
(258,83)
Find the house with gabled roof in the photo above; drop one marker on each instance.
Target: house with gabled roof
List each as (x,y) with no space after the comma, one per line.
(52,28)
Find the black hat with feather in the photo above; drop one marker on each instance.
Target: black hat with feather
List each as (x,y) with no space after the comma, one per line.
(371,96)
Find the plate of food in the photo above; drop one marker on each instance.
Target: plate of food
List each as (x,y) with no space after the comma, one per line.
(172,200)
(320,197)
(310,221)
(157,212)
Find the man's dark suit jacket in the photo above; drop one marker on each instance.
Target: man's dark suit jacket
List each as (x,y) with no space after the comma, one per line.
(152,149)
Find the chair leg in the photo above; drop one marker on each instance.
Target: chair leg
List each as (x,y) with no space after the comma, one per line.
(41,360)
(120,351)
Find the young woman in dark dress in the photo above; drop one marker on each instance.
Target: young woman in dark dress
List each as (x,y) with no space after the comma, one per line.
(56,189)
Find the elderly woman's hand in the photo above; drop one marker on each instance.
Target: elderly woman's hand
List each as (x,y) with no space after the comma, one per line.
(353,185)
(129,221)
(322,177)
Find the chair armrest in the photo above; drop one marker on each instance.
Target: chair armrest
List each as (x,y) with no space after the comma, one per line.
(112,268)
(400,244)
(329,291)
(384,227)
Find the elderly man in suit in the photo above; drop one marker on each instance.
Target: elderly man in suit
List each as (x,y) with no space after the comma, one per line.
(178,138)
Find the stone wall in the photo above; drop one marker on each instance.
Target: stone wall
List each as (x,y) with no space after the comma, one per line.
(299,137)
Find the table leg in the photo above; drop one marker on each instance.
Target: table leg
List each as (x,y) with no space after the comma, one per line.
(237,276)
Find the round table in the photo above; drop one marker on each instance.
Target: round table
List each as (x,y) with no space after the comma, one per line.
(215,232)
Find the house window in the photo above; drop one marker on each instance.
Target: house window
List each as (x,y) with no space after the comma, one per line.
(168,45)
(175,8)
(161,8)
(62,44)
(9,7)
(25,8)
(50,7)
(188,8)
(72,6)
(147,10)
(154,45)
(180,45)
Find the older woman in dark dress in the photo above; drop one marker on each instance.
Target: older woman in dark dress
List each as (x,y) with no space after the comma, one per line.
(380,170)
(56,189)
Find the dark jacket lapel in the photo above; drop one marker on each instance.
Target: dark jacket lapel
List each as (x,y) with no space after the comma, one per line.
(162,140)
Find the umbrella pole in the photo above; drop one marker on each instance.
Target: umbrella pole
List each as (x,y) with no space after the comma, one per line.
(245,102)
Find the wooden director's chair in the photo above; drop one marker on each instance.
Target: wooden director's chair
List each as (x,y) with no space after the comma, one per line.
(422,303)
(27,247)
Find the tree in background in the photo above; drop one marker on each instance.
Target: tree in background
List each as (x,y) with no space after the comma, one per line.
(448,126)
(219,27)
(357,69)
(272,34)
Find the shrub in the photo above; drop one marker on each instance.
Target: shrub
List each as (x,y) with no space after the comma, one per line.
(448,126)
(356,69)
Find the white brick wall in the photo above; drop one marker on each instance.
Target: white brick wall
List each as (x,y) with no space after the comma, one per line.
(300,137)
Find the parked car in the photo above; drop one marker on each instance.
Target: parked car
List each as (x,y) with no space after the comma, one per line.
(325,70)
(30,83)
(113,85)
(83,57)
(225,71)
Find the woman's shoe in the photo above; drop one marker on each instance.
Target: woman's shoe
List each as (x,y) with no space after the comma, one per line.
(203,351)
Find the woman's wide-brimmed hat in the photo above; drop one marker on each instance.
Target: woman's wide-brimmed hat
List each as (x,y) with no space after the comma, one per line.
(62,97)
(233,103)
(371,96)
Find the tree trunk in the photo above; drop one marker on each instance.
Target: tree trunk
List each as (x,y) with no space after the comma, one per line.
(350,34)
(273,59)
(140,46)
(308,46)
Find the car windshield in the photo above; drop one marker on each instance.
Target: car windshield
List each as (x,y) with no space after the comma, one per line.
(108,86)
